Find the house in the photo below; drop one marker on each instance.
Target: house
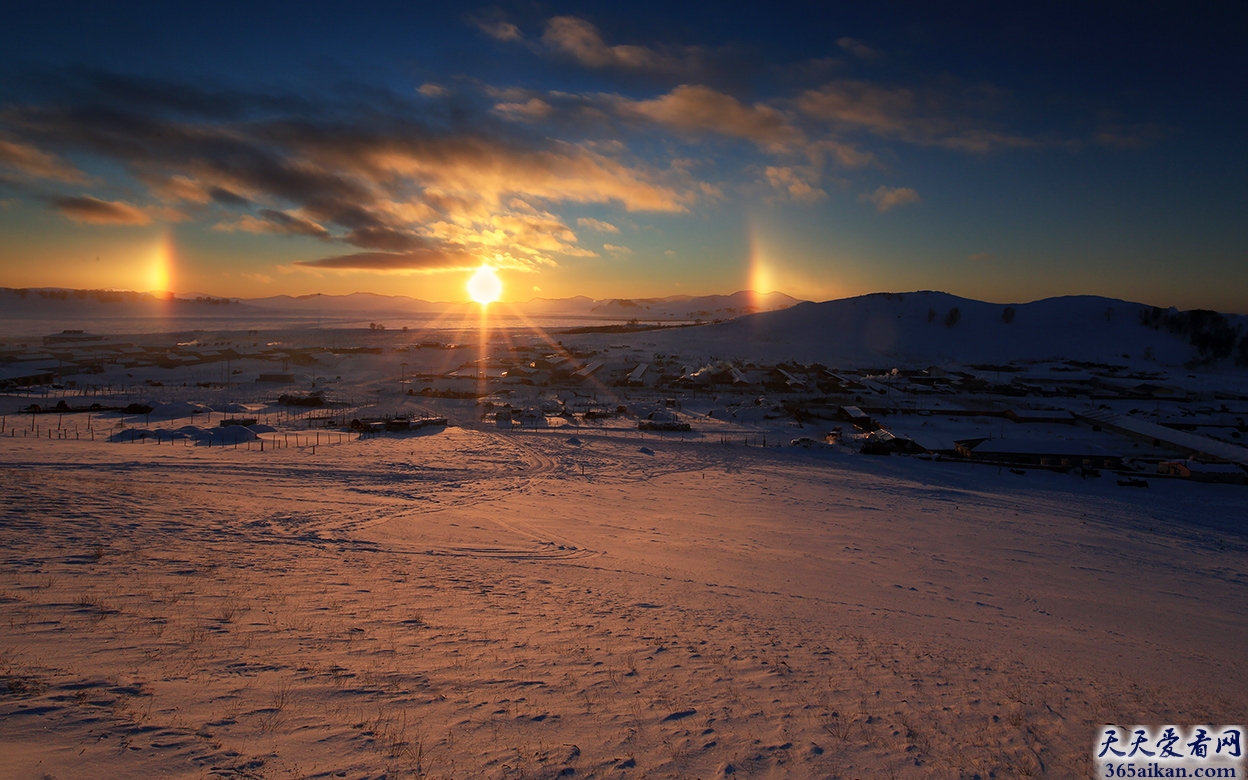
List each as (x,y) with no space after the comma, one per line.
(856,417)
(588,371)
(70,337)
(30,373)
(792,381)
(637,377)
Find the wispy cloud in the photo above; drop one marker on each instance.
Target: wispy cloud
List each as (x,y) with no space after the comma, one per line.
(797,184)
(580,40)
(30,162)
(530,110)
(923,117)
(857,48)
(427,259)
(886,198)
(1129,137)
(698,109)
(272,221)
(93,211)
(500,30)
(597,225)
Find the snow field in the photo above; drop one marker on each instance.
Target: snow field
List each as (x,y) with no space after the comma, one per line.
(484,604)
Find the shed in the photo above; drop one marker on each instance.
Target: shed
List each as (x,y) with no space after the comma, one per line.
(1039,452)
(1204,472)
(1040,416)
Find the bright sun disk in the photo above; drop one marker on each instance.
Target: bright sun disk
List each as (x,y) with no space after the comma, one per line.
(484,287)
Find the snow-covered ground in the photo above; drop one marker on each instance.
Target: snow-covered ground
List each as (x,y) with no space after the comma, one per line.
(585,599)
(486,604)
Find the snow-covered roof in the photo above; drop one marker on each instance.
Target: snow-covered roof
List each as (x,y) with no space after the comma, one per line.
(1074,448)
(1189,442)
(589,369)
(1044,415)
(29,369)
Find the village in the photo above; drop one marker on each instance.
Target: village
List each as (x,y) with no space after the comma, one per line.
(312,388)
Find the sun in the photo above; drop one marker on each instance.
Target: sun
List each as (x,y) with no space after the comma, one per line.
(484,287)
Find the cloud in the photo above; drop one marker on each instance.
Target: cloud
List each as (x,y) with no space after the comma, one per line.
(500,31)
(271,221)
(425,258)
(1133,137)
(33,163)
(617,250)
(580,40)
(261,278)
(529,232)
(698,109)
(227,198)
(928,118)
(597,225)
(93,211)
(531,110)
(432,90)
(886,198)
(857,48)
(369,174)
(846,155)
(796,183)
(429,259)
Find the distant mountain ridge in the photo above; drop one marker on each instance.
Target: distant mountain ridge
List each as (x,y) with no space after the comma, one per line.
(881,329)
(46,301)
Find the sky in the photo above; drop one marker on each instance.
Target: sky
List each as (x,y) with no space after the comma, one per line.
(628,149)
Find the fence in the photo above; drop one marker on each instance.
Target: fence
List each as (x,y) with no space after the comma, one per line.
(144,434)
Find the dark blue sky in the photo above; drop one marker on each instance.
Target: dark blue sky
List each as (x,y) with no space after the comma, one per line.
(1004,153)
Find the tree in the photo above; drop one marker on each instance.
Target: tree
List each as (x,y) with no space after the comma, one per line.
(952,317)
(1007,315)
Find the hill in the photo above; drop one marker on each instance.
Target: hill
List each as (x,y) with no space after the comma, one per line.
(924,328)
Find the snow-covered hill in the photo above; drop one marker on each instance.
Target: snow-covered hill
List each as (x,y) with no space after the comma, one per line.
(923,328)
